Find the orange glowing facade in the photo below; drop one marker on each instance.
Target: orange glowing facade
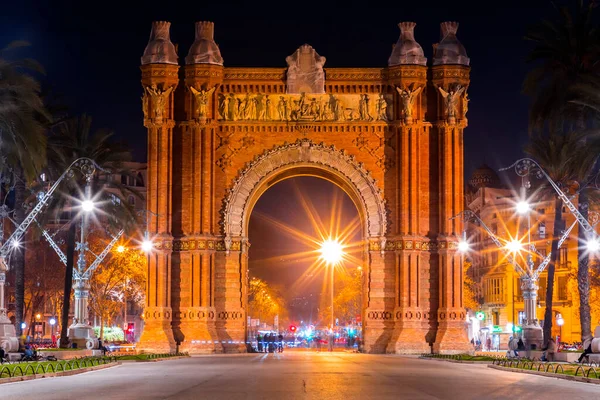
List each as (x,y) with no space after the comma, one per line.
(219,137)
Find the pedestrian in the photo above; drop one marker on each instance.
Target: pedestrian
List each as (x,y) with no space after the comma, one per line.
(488,344)
(586,352)
(330,342)
(259,343)
(550,350)
(53,340)
(318,342)
(280,343)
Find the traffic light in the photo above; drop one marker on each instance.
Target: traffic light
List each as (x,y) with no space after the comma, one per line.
(292,328)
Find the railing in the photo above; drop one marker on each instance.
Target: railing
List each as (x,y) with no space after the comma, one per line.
(575,369)
(20,369)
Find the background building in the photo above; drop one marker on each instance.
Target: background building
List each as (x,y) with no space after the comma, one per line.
(497,285)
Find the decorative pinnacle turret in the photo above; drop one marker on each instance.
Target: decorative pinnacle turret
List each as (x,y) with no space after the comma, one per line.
(407,30)
(449,50)
(448,28)
(205,30)
(204,50)
(160,30)
(159,49)
(407,51)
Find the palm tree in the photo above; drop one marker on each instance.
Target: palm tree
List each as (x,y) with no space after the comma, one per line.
(567,54)
(73,139)
(566,159)
(22,144)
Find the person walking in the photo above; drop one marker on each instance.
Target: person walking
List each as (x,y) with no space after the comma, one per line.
(330,341)
(259,345)
(280,343)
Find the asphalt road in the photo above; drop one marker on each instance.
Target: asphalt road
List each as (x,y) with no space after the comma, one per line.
(300,375)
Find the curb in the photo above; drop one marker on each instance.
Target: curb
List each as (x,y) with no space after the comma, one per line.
(455,361)
(548,374)
(161,359)
(57,374)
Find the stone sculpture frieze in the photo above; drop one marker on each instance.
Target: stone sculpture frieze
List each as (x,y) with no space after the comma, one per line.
(304,107)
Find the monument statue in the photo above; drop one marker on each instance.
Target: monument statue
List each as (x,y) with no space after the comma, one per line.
(381,108)
(201,100)
(408,97)
(451,99)
(158,97)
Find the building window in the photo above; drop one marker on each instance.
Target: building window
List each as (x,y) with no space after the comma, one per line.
(562,256)
(542,289)
(131,200)
(494,291)
(139,180)
(563,292)
(542,230)
(494,258)
(521,317)
(496,318)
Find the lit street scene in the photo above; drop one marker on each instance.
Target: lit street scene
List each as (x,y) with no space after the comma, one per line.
(300,375)
(268,201)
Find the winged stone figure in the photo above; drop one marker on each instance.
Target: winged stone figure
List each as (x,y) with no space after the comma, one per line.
(201,100)
(451,98)
(408,97)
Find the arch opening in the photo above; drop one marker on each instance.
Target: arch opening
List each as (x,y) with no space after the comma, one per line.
(289,283)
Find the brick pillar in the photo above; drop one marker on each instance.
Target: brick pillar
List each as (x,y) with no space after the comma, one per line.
(159,82)
(412,141)
(230,297)
(196,318)
(451,336)
(378,321)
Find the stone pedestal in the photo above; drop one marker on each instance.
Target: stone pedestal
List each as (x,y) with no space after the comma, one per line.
(410,333)
(198,332)
(8,337)
(452,337)
(533,335)
(157,336)
(83,335)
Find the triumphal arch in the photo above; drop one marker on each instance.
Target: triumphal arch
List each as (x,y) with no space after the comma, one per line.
(219,137)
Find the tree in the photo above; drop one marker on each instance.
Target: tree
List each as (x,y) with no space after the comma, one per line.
(567,53)
(22,143)
(347,301)
(265,301)
(73,139)
(43,282)
(120,277)
(471,291)
(566,159)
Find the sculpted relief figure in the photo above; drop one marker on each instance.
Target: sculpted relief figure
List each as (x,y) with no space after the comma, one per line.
(381,108)
(145,104)
(451,98)
(465,105)
(283,109)
(408,97)
(201,98)
(363,108)
(158,97)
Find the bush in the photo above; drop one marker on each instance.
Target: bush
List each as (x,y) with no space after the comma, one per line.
(111,334)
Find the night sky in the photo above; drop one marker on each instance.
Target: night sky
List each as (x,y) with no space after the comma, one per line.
(91,52)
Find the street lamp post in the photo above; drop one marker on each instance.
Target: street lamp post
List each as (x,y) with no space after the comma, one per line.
(8,337)
(529,274)
(560,322)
